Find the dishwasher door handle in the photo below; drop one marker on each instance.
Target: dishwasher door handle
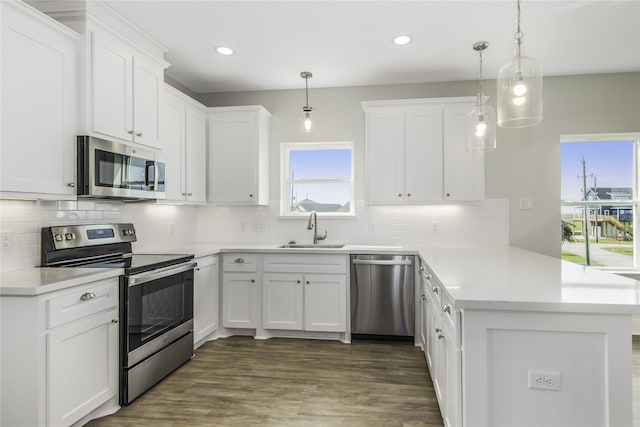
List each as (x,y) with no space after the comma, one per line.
(381,262)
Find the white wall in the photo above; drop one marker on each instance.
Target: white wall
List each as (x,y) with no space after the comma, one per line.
(526,163)
(156,225)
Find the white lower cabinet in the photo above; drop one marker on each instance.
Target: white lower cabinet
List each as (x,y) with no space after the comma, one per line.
(205,298)
(240,291)
(305,292)
(59,356)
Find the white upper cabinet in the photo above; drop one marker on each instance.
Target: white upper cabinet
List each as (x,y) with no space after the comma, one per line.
(39,105)
(239,155)
(416,152)
(463,170)
(126,91)
(184,142)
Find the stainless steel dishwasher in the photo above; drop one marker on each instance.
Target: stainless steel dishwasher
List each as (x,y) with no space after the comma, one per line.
(382,295)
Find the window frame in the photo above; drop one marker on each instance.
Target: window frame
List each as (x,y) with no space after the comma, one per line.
(635,193)
(285,176)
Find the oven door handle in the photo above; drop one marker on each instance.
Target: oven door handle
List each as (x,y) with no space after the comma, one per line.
(138,279)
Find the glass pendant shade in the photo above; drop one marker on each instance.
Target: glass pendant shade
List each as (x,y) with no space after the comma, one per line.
(481,128)
(519,93)
(307,123)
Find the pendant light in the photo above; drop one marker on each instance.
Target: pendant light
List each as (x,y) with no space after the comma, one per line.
(306,110)
(481,121)
(519,88)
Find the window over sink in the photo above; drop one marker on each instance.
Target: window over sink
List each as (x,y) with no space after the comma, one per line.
(316,177)
(599,193)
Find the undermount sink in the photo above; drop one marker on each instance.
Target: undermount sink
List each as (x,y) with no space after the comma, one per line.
(318,246)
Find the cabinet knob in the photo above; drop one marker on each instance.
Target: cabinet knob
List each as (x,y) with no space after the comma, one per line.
(448,194)
(399,194)
(297,281)
(423,297)
(446,308)
(250,195)
(139,134)
(438,330)
(71,184)
(308,282)
(253,280)
(427,277)
(422,268)
(239,260)
(189,194)
(408,194)
(114,320)
(434,289)
(130,132)
(197,268)
(440,336)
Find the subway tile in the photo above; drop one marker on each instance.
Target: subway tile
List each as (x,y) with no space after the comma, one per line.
(67,205)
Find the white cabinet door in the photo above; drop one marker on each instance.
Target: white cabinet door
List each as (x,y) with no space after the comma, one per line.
(196,155)
(282,301)
(453,382)
(325,302)
(173,145)
(148,84)
(38,69)
(240,300)
(463,170)
(385,155)
(423,154)
(82,367)
(205,298)
(126,91)
(238,156)
(111,87)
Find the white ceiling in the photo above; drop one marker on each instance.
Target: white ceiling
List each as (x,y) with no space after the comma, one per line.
(348,43)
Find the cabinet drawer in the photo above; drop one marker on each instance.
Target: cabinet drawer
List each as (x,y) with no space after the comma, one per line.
(432,285)
(240,262)
(450,317)
(305,264)
(81,301)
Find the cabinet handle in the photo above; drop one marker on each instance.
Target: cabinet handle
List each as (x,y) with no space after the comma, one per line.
(427,277)
(446,308)
(239,260)
(434,289)
(71,184)
(438,330)
(422,268)
(440,336)
(139,134)
(87,296)
(130,132)
(114,320)
(189,194)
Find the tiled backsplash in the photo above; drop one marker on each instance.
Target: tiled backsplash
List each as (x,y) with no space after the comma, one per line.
(159,226)
(20,223)
(451,225)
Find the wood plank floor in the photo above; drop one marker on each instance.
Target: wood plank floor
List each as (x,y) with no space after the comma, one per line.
(240,381)
(244,382)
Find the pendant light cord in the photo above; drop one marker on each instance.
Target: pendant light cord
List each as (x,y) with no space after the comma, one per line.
(479,100)
(518,36)
(306,91)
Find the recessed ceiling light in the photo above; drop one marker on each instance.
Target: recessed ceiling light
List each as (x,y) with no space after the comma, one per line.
(401,40)
(226,51)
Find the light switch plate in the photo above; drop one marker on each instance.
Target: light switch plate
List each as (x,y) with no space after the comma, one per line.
(526,203)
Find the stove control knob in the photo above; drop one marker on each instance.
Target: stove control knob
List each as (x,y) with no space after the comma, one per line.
(68,236)
(58,237)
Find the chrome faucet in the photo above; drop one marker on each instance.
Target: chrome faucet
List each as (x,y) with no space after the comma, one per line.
(313,225)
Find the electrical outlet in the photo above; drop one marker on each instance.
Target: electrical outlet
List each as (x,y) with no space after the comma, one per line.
(526,203)
(257,226)
(6,240)
(542,380)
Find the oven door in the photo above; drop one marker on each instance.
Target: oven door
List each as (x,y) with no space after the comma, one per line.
(159,310)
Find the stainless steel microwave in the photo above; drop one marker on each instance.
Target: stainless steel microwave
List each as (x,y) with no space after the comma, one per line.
(113,170)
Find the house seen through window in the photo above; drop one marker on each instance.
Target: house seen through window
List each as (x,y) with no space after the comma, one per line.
(599,192)
(317,177)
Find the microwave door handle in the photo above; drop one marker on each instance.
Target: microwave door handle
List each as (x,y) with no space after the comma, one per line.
(150,179)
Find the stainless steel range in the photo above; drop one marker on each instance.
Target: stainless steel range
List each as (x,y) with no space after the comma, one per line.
(156,298)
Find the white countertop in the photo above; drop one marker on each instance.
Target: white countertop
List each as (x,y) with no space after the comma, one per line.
(509,278)
(40,280)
